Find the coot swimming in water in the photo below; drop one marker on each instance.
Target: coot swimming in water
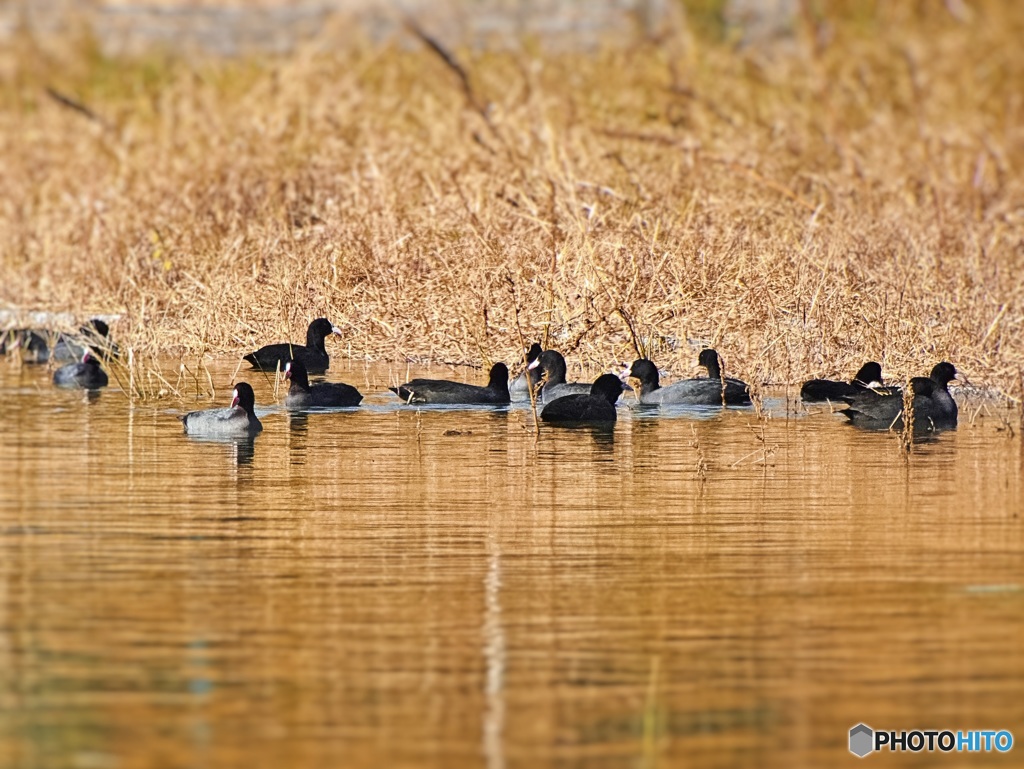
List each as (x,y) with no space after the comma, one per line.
(326,394)
(446,391)
(519,388)
(313,355)
(237,421)
(86,374)
(869,375)
(597,406)
(552,365)
(95,337)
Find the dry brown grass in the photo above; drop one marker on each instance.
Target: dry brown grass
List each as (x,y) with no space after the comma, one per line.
(860,199)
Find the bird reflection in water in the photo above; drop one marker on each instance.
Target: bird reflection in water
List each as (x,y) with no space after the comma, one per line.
(244,451)
(599,437)
(241,450)
(298,436)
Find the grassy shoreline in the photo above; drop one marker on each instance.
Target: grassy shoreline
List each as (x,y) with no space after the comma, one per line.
(861,199)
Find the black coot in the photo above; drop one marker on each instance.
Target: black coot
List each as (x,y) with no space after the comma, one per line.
(313,355)
(237,421)
(596,406)
(95,337)
(869,375)
(326,394)
(445,391)
(32,344)
(551,364)
(519,388)
(86,374)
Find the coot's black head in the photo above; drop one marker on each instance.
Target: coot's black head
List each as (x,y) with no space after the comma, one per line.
(709,359)
(607,386)
(532,368)
(319,330)
(645,371)
(943,373)
(295,370)
(552,364)
(90,360)
(868,373)
(99,327)
(499,377)
(243,396)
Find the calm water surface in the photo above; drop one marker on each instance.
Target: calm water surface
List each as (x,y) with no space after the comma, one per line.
(388,587)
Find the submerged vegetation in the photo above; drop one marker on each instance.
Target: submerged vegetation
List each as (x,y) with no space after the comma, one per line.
(858,197)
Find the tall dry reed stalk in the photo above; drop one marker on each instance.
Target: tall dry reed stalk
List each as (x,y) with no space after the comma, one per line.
(858,199)
(906,432)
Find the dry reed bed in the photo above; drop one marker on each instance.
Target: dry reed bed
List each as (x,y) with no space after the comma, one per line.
(860,199)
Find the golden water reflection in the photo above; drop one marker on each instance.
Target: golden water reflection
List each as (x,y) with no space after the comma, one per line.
(392,587)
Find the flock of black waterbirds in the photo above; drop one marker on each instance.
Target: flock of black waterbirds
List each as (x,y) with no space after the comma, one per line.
(865,400)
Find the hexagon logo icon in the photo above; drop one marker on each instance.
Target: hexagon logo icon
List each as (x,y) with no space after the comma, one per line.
(862,740)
